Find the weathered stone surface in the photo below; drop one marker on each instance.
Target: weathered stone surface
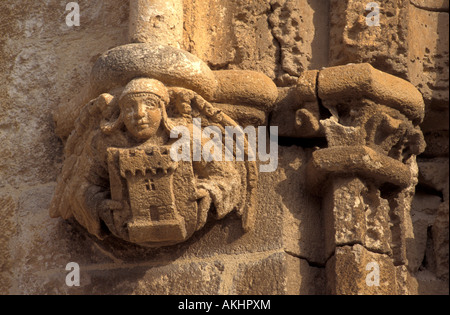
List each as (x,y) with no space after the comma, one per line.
(8,228)
(434,174)
(348,270)
(297,112)
(40,70)
(274,37)
(204,278)
(283,275)
(438,5)
(245,88)
(406,283)
(428,284)
(428,56)
(172,66)
(44,65)
(231,35)
(358,160)
(364,81)
(156,21)
(302,46)
(353,40)
(355,214)
(423,215)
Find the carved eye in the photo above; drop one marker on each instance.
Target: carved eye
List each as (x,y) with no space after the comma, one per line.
(149,104)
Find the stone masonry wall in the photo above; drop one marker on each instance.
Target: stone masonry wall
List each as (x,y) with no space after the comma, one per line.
(45,64)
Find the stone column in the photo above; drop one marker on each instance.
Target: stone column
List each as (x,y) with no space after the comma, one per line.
(366,177)
(157,22)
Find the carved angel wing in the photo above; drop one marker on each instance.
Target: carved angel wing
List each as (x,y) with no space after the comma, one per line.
(69,198)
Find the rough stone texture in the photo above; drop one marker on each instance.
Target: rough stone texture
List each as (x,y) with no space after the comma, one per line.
(210,259)
(348,269)
(411,42)
(432,5)
(434,174)
(284,274)
(35,44)
(156,21)
(7,215)
(428,67)
(281,38)
(301,39)
(352,40)
(231,34)
(428,55)
(44,64)
(354,214)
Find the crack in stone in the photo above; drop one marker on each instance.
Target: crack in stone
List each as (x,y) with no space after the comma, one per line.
(313,264)
(372,251)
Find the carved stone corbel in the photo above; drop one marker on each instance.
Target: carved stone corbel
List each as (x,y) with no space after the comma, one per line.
(366,175)
(118,176)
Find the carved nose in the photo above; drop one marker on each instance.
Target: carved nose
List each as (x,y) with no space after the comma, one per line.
(140,112)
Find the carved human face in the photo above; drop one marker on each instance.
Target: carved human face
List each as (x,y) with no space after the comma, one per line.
(141,114)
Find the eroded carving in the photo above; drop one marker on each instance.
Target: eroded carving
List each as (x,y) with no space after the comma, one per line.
(119,176)
(368,171)
(119,173)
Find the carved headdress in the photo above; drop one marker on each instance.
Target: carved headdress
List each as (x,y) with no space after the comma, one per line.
(146,85)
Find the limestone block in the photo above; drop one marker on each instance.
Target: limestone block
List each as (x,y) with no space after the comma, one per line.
(423,215)
(231,35)
(7,226)
(434,173)
(353,40)
(407,283)
(428,54)
(278,38)
(348,270)
(355,213)
(297,31)
(278,274)
(201,278)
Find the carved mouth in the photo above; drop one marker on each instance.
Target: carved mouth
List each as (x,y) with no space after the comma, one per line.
(143,124)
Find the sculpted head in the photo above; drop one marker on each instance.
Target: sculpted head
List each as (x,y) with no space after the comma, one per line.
(142,105)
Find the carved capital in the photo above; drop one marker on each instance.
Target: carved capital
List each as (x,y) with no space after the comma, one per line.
(366,173)
(372,132)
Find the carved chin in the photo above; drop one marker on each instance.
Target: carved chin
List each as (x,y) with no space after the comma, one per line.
(143,132)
